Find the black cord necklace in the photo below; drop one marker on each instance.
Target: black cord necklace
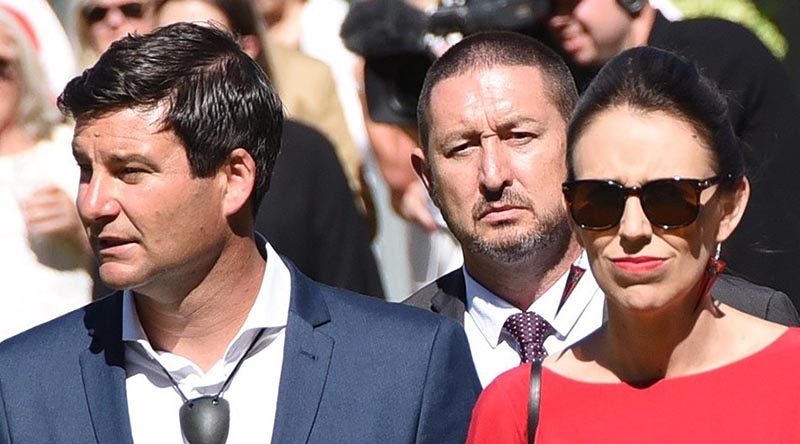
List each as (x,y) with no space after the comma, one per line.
(207,419)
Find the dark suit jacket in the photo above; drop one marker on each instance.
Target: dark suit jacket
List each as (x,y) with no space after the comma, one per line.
(355,370)
(447,296)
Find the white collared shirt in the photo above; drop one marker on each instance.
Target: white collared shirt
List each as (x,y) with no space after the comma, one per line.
(495,351)
(153,403)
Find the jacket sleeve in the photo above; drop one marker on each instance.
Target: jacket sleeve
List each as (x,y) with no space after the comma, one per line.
(781,310)
(451,388)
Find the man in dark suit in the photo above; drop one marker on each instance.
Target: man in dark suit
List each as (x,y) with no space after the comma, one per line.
(492,120)
(214,336)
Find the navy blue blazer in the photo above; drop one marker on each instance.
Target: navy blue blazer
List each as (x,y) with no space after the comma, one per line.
(355,370)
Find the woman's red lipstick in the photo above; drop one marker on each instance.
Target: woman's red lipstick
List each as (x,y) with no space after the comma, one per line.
(638,264)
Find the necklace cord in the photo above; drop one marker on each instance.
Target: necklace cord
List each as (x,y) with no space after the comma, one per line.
(239,364)
(227,381)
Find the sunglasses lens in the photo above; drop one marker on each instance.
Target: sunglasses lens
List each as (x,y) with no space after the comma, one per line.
(95,14)
(670,203)
(596,204)
(129,10)
(132,10)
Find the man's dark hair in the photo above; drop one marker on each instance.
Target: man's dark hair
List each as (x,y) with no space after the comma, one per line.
(499,48)
(215,97)
(650,79)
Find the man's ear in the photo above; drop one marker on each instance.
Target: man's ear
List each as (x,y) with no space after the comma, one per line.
(239,175)
(421,166)
(733,207)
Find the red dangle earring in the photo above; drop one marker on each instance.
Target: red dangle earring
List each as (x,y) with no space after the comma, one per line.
(714,267)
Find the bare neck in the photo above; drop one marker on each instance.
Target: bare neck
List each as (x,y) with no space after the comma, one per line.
(520,284)
(201,322)
(644,348)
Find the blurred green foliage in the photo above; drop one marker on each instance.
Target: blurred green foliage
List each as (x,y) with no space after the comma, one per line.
(758,18)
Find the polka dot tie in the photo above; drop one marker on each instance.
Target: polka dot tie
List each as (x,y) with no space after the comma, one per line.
(530,330)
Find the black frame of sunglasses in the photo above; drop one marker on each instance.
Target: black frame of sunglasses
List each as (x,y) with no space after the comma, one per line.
(569,189)
(94,13)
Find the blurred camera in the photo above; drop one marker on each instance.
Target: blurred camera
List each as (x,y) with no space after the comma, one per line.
(393,37)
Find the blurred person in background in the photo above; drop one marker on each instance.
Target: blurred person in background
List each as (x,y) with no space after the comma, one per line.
(310,216)
(764,110)
(432,249)
(44,254)
(99,23)
(49,39)
(312,27)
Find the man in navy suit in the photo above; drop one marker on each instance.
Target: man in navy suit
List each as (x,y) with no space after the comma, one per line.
(213,337)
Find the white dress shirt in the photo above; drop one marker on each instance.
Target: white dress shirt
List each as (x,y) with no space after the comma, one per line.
(153,403)
(495,351)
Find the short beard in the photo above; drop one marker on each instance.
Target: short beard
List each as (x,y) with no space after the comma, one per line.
(551,233)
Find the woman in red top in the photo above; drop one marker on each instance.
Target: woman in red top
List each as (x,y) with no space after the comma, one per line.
(656,184)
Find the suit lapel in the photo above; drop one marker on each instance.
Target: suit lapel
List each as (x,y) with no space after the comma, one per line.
(306,358)
(450,298)
(103,373)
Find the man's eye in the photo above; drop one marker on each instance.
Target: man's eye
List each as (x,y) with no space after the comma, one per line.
(462,149)
(521,137)
(131,173)
(454,151)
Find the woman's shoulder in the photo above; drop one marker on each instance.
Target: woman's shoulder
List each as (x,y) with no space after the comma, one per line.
(765,349)
(744,335)
(785,346)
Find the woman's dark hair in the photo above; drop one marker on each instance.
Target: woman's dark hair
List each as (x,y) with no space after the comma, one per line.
(651,79)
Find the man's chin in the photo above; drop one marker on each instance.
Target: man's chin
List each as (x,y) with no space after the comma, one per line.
(513,246)
(507,249)
(118,277)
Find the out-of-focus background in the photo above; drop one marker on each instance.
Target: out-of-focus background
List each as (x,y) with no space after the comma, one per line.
(775,22)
